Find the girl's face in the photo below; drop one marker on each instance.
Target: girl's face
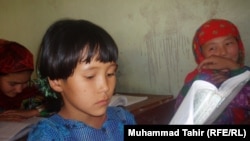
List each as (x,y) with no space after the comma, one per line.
(226,46)
(88,91)
(14,83)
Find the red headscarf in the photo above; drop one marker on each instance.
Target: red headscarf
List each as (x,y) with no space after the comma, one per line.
(14,57)
(209,30)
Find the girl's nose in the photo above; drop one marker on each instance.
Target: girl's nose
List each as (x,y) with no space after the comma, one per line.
(104,85)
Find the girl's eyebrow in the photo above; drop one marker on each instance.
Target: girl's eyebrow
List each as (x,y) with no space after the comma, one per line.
(114,64)
(96,67)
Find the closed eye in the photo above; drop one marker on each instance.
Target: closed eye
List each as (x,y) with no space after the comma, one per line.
(89,77)
(111,74)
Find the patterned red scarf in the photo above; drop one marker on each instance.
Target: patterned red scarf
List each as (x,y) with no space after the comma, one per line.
(14,57)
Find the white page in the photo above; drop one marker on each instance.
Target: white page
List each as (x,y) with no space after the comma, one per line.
(125,100)
(229,89)
(118,100)
(208,102)
(211,108)
(10,130)
(185,112)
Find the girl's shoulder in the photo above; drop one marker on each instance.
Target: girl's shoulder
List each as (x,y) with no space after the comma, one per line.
(48,128)
(122,114)
(46,123)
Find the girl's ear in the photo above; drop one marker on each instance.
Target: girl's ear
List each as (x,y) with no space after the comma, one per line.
(55,84)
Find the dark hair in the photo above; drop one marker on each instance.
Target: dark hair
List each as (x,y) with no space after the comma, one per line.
(65,40)
(61,50)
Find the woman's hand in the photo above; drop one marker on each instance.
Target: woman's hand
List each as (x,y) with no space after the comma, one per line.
(11,118)
(218,63)
(18,115)
(220,66)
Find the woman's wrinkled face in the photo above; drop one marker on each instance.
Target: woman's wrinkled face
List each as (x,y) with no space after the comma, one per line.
(226,46)
(13,83)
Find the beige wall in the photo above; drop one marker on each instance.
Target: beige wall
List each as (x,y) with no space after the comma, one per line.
(154,36)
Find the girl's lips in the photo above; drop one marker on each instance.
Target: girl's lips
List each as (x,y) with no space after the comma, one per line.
(103,102)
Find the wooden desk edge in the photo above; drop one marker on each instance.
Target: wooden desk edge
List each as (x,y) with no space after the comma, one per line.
(152,102)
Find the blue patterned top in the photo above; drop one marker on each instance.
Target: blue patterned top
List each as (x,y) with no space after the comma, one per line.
(56,128)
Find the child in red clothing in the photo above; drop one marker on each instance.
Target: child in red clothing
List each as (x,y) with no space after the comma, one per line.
(18,98)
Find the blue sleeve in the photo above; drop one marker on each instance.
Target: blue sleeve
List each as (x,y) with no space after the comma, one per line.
(46,131)
(123,115)
(130,118)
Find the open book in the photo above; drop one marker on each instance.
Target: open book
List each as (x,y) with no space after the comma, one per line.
(204,102)
(125,100)
(11,130)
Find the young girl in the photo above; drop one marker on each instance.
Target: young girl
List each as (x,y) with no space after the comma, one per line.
(219,53)
(77,64)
